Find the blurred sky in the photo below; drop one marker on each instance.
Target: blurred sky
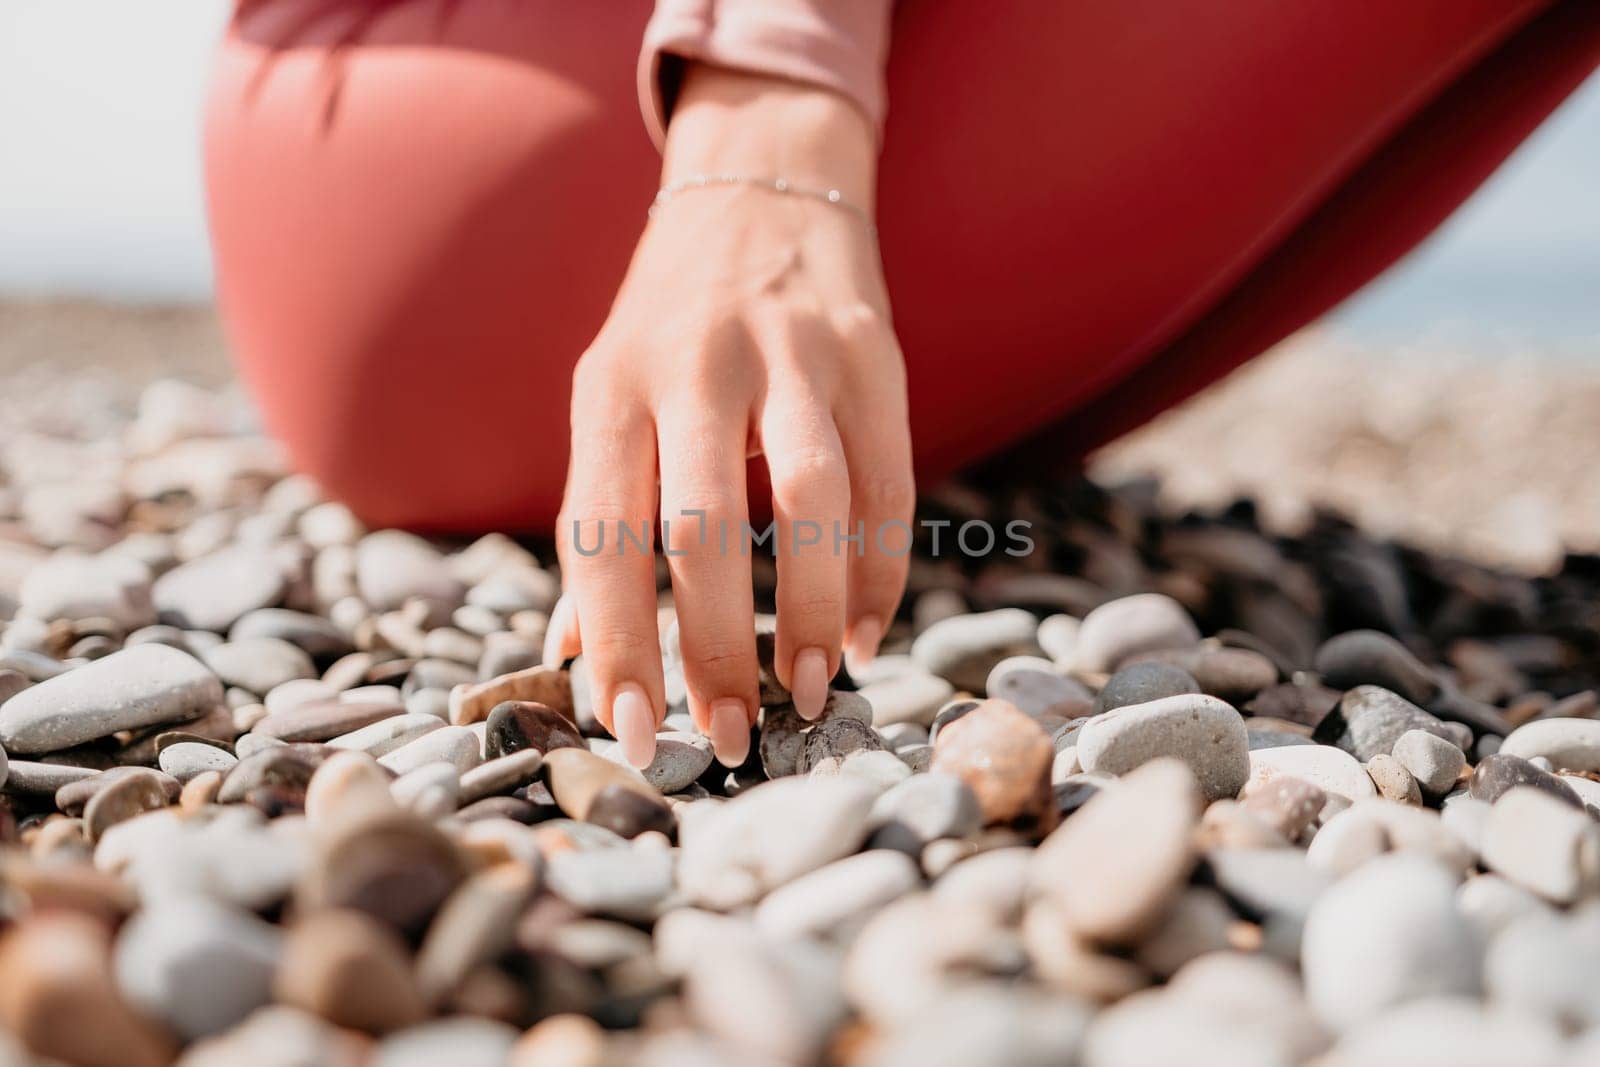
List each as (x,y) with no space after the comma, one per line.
(100,190)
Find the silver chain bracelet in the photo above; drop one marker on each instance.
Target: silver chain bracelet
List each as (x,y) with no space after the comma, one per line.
(776,185)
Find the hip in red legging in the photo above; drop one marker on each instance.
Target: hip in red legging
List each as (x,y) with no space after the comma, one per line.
(435,264)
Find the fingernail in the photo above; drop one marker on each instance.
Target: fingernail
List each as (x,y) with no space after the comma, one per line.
(730,731)
(634,724)
(809,682)
(864,641)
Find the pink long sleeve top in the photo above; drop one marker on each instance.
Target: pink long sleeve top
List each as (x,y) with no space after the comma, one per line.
(838,44)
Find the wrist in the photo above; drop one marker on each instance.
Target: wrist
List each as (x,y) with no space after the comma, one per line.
(731,122)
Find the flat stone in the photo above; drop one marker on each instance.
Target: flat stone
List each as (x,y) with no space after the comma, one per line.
(576,776)
(770,835)
(831,900)
(258,664)
(1375,719)
(1492,904)
(197,965)
(214,591)
(500,775)
(1140,683)
(1543,845)
(1035,687)
(836,738)
(350,969)
(73,796)
(1128,626)
(1004,757)
(1548,966)
(324,720)
(387,734)
(137,687)
(1114,867)
(127,796)
(1569,744)
(190,759)
(27,778)
(993,882)
(1394,782)
(474,927)
(452,744)
(1369,657)
(1330,769)
(1289,805)
(627,812)
(1201,731)
(914,697)
(626,883)
(282,767)
(389,864)
(924,808)
(963,649)
(1396,909)
(1497,775)
(71,585)
(550,686)
(298,692)
(680,759)
(314,635)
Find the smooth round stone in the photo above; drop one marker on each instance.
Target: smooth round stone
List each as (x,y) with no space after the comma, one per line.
(1288,804)
(1033,685)
(1396,909)
(1497,775)
(1114,867)
(1128,626)
(964,648)
(834,898)
(1569,744)
(1588,791)
(430,787)
(1375,719)
(393,566)
(835,739)
(1058,636)
(629,813)
(1491,904)
(1368,657)
(1197,923)
(258,664)
(1330,769)
(70,585)
(923,808)
(387,734)
(1275,886)
(461,1041)
(117,801)
(214,591)
(576,776)
(190,759)
(781,740)
(500,775)
(1004,757)
(1549,966)
(913,697)
(512,809)
(1394,782)
(281,767)
(350,969)
(880,769)
(625,883)
(451,744)
(1232,674)
(73,796)
(679,760)
(197,965)
(27,778)
(389,864)
(1202,731)
(312,634)
(452,645)
(770,835)
(1543,845)
(347,782)
(59,999)
(903,734)
(137,687)
(1435,763)
(323,720)
(1140,683)
(474,927)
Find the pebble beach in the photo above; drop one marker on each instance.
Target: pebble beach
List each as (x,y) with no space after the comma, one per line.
(1241,766)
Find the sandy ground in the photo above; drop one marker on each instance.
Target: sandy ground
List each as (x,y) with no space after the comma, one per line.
(1495,460)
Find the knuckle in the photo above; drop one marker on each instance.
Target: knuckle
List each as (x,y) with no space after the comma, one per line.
(860,325)
(620,642)
(720,655)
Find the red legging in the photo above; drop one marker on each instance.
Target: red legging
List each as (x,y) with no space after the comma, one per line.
(1088,210)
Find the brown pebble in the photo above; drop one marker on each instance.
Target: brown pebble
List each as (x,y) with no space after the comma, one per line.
(74,797)
(390,864)
(514,725)
(564,1040)
(323,720)
(199,791)
(474,926)
(54,885)
(1289,805)
(576,776)
(550,686)
(514,808)
(629,813)
(59,1001)
(351,970)
(124,798)
(1004,757)
(289,766)
(1394,782)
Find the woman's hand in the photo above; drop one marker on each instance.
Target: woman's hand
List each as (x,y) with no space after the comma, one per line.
(750,321)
